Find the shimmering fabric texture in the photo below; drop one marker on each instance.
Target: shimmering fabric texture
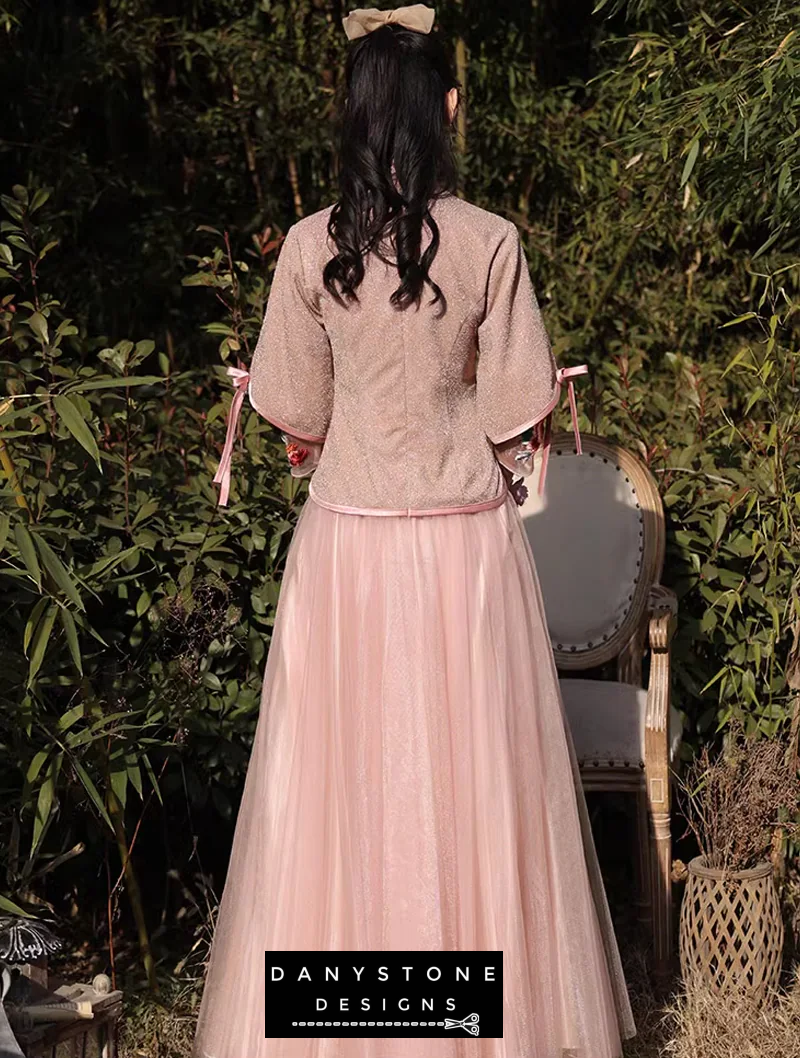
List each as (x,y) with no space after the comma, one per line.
(414,786)
(408,403)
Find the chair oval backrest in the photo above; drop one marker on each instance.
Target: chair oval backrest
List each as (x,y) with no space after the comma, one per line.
(597,538)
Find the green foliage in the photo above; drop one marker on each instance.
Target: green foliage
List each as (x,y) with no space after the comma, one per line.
(137,615)
(725,446)
(710,390)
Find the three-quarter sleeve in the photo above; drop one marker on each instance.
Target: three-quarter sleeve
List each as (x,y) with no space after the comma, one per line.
(291,373)
(516,381)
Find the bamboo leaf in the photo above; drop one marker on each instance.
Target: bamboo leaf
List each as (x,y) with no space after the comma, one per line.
(33,621)
(769,241)
(77,425)
(108,382)
(691,158)
(12,908)
(135,776)
(40,640)
(105,565)
(754,397)
(68,719)
(714,679)
(119,781)
(44,806)
(28,552)
(148,767)
(71,633)
(732,323)
(35,765)
(91,790)
(58,571)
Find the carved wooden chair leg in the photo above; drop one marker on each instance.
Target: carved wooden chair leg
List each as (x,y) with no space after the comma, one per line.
(644,861)
(662,896)
(657,774)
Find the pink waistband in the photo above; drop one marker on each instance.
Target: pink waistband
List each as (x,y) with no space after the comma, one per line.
(408,512)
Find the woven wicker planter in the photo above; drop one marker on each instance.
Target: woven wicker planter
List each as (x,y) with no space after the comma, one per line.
(731,931)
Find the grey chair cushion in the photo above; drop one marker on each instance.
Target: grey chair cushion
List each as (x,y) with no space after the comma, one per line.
(607,721)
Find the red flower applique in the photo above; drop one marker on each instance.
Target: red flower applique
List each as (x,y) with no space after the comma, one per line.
(296,454)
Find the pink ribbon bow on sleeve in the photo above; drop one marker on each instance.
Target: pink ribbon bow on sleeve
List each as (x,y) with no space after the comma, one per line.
(563,374)
(241,378)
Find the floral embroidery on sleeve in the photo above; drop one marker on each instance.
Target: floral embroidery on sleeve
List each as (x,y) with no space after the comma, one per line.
(296,454)
(303,457)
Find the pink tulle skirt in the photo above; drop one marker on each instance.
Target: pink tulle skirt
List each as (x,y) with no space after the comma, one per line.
(413,787)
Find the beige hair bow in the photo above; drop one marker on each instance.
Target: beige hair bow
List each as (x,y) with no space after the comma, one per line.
(364,19)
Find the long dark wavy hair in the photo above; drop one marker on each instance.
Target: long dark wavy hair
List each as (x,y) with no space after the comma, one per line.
(396,156)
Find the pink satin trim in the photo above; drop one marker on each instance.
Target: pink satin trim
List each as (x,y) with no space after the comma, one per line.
(541,415)
(564,374)
(408,512)
(240,377)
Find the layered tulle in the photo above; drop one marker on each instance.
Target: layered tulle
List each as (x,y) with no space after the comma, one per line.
(413,786)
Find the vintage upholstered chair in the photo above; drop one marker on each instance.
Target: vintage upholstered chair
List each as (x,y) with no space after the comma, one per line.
(598,540)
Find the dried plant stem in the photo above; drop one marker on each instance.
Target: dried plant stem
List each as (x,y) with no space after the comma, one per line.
(742,805)
(134,893)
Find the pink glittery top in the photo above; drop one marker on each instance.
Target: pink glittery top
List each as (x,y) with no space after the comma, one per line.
(402,409)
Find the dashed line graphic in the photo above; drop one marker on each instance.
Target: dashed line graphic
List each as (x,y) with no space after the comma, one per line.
(368,1024)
